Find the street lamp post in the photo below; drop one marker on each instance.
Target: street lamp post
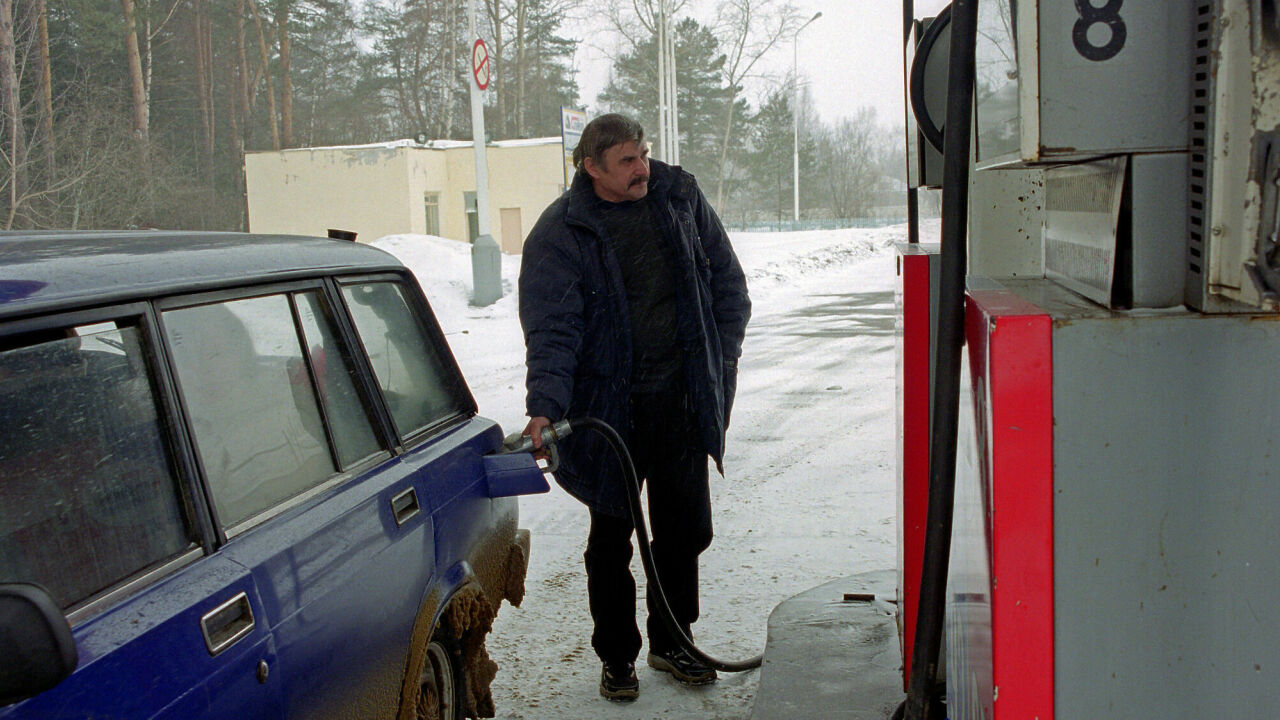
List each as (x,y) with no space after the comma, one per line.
(795,118)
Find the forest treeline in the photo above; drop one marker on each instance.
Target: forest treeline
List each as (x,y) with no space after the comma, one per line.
(137,113)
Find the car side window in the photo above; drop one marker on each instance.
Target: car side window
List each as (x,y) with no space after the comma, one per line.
(252,407)
(88,493)
(416,383)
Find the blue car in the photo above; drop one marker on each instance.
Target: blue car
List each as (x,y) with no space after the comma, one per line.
(241,476)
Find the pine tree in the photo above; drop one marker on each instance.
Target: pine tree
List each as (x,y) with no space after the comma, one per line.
(416,55)
(546,70)
(771,153)
(329,107)
(701,99)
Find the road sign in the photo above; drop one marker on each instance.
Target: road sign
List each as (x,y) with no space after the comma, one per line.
(571,123)
(480,64)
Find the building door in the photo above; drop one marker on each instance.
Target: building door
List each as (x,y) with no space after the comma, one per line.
(512,233)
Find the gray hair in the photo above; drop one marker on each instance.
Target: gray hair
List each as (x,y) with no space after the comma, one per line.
(603,133)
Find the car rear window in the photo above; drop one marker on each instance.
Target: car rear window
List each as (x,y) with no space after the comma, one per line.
(88,496)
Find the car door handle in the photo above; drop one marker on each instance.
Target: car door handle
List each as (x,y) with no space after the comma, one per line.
(224,625)
(405,506)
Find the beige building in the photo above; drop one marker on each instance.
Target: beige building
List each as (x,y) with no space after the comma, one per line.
(403,187)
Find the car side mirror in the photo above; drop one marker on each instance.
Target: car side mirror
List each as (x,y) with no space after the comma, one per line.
(37,650)
(514,474)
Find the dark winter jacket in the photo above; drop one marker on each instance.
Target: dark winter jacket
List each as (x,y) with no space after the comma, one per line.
(573,308)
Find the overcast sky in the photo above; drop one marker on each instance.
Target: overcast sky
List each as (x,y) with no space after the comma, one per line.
(851,56)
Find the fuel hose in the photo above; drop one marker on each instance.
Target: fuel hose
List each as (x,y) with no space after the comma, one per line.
(946,380)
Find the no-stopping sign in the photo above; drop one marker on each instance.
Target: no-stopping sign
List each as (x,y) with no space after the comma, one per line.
(480,64)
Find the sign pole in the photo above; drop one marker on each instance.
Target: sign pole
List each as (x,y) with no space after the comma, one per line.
(673,101)
(486,257)
(663,140)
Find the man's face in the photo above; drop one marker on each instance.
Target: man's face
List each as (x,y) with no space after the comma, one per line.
(624,175)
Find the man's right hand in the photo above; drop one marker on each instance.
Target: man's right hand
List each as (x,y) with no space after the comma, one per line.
(534,430)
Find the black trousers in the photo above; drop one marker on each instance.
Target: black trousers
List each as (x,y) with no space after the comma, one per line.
(665,449)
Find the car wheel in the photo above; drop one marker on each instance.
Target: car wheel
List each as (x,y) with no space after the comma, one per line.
(443,681)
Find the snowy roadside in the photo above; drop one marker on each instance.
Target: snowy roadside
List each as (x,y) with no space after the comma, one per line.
(808,493)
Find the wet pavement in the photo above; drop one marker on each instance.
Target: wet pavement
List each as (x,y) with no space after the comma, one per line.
(832,653)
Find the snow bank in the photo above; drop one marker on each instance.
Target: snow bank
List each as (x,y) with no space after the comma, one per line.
(443,266)
(443,269)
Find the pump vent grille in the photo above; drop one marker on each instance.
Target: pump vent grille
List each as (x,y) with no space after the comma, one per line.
(1200,132)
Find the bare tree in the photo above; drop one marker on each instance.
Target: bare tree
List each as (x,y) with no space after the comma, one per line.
(286,78)
(518,56)
(96,183)
(498,13)
(26,125)
(637,23)
(749,30)
(46,81)
(241,107)
(419,50)
(11,105)
(450,64)
(265,71)
(138,94)
(849,163)
(148,35)
(522,14)
(202,41)
(236,136)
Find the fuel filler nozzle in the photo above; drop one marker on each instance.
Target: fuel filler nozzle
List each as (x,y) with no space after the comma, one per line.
(518,442)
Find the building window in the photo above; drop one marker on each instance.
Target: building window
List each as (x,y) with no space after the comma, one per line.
(431,204)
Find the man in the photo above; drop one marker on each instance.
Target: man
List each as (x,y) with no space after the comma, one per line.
(634,307)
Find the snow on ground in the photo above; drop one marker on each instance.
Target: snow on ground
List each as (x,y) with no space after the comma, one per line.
(808,492)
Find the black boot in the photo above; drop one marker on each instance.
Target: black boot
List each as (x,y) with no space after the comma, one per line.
(618,682)
(682,666)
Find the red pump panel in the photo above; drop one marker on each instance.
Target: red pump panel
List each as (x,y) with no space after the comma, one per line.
(1010,362)
(913,385)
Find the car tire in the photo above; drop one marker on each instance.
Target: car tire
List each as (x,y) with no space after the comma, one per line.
(443,682)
